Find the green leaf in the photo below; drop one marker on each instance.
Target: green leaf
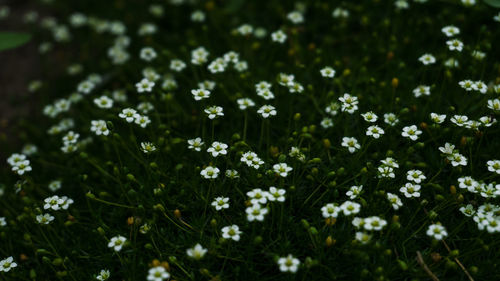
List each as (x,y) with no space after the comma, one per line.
(493,3)
(9,40)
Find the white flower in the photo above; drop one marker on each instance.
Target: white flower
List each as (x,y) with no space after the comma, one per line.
(410,190)
(394,200)
(217,66)
(16,158)
(452,63)
(148,54)
(256,212)
(296,153)
(158,273)
(29,149)
(349,103)
(457,159)
(402,4)
(295,17)
(389,161)
(374,131)
(177,65)
(415,176)
(447,149)
(350,208)
(210,172)
(232,174)
(199,56)
(351,144)
(251,159)
(340,13)
(214,111)
(245,29)
(332,108)
(267,110)
(427,59)
(493,166)
(53,203)
(327,122)
(231,232)
(144,85)
(390,119)
(195,144)
(327,72)
(295,87)
(99,127)
(469,2)
(276,194)
(128,114)
(2,221)
(85,87)
(142,120)
(385,172)
(450,30)
(245,103)
(241,66)
(455,45)
(494,104)
(497,17)
(282,169)
(480,86)
(438,118)
(363,237)
(231,56)
(103,275)
(468,183)
(370,117)
(354,191)
(265,94)
(330,210)
(466,84)
(437,231)
(422,90)
(358,222)
(262,85)
(258,196)
(71,138)
(278,36)
(197,252)
(220,203)
(207,85)
(288,264)
(117,243)
(217,148)
(7,264)
(147,147)
(44,219)
(411,132)
(468,210)
(21,167)
(374,223)
(459,120)
(285,79)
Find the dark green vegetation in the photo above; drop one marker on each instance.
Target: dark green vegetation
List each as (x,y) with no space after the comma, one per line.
(117,188)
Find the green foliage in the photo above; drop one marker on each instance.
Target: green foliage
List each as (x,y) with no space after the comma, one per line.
(493,3)
(10,40)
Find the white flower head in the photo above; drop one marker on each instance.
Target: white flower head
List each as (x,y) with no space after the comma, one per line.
(117,243)
(288,264)
(197,252)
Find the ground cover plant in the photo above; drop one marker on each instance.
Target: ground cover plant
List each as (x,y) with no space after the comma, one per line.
(269,140)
